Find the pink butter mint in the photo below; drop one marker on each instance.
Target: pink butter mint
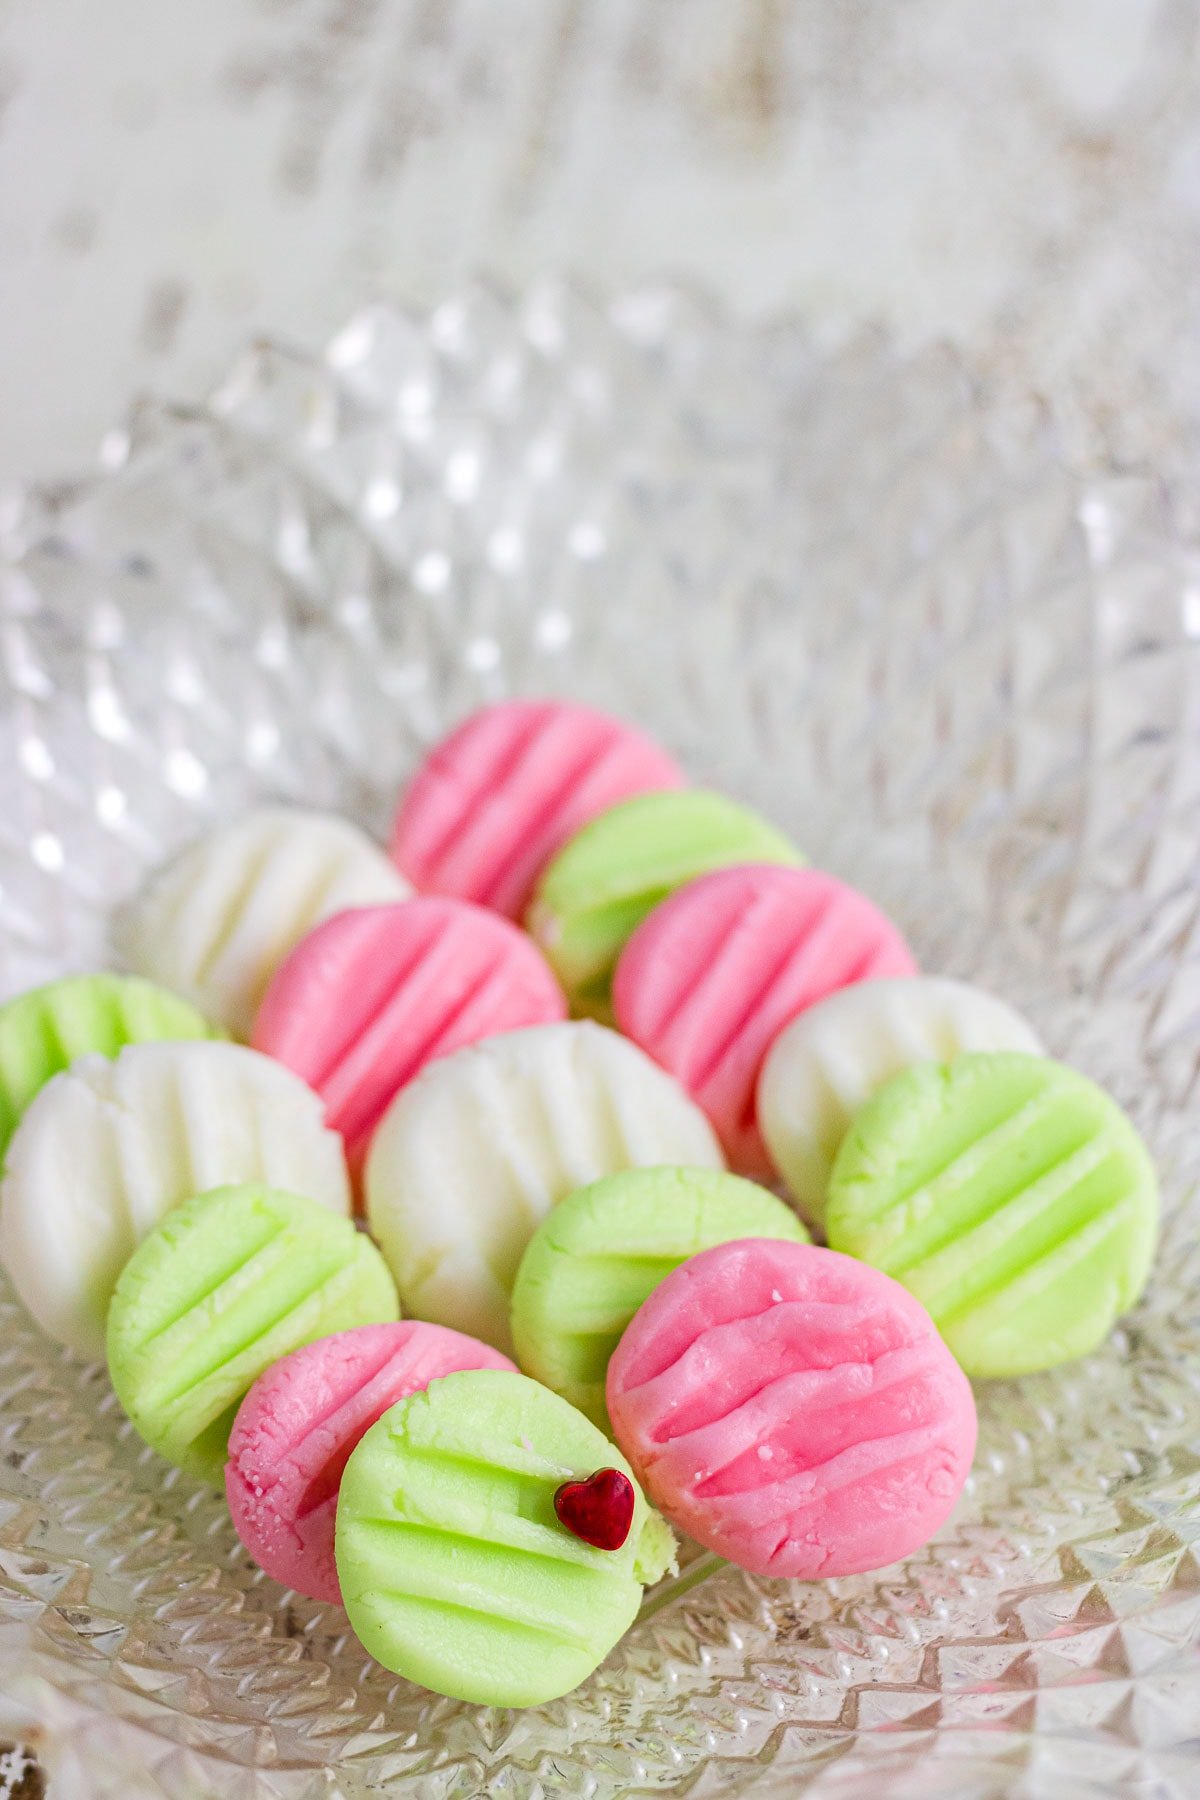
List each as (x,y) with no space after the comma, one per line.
(372,995)
(495,800)
(792,1409)
(709,980)
(297,1426)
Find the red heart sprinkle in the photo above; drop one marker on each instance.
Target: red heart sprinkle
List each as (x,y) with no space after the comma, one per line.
(598,1510)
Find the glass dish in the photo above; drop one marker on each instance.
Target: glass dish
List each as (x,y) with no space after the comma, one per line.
(848,590)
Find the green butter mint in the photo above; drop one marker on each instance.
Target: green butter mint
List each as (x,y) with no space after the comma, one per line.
(601,885)
(1011,1195)
(602,1251)
(44,1031)
(228,1283)
(455,1570)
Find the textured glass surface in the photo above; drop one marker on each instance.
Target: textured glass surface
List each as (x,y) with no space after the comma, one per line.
(849,592)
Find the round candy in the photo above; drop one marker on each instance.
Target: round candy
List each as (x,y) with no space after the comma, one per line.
(593,1260)
(108,1148)
(217,920)
(369,997)
(455,1569)
(296,1427)
(793,1410)
(830,1060)
(493,802)
(474,1152)
(45,1030)
(230,1282)
(601,886)
(710,980)
(1011,1195)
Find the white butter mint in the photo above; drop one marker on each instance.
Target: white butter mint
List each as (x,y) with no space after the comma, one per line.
(834,1057)
(217,920)
(474,1152)
(107,1148)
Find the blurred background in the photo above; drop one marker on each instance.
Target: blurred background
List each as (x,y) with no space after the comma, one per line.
(1022,178)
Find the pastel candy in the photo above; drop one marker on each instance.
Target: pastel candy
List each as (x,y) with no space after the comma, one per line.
(455,1570)
(594,1259)
(44,1031)
(600,887)
(216,921)
(793,1410)
(710,980)
(107,1149)
(296,1427)
(828,1062)
(474,1152)
(371,996)
(230,1282)
(497,798)
(1011,1195)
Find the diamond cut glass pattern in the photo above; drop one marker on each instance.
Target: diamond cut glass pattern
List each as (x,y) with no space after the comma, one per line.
(847,591)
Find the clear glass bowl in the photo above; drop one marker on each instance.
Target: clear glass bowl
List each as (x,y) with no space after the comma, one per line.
(847,590)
